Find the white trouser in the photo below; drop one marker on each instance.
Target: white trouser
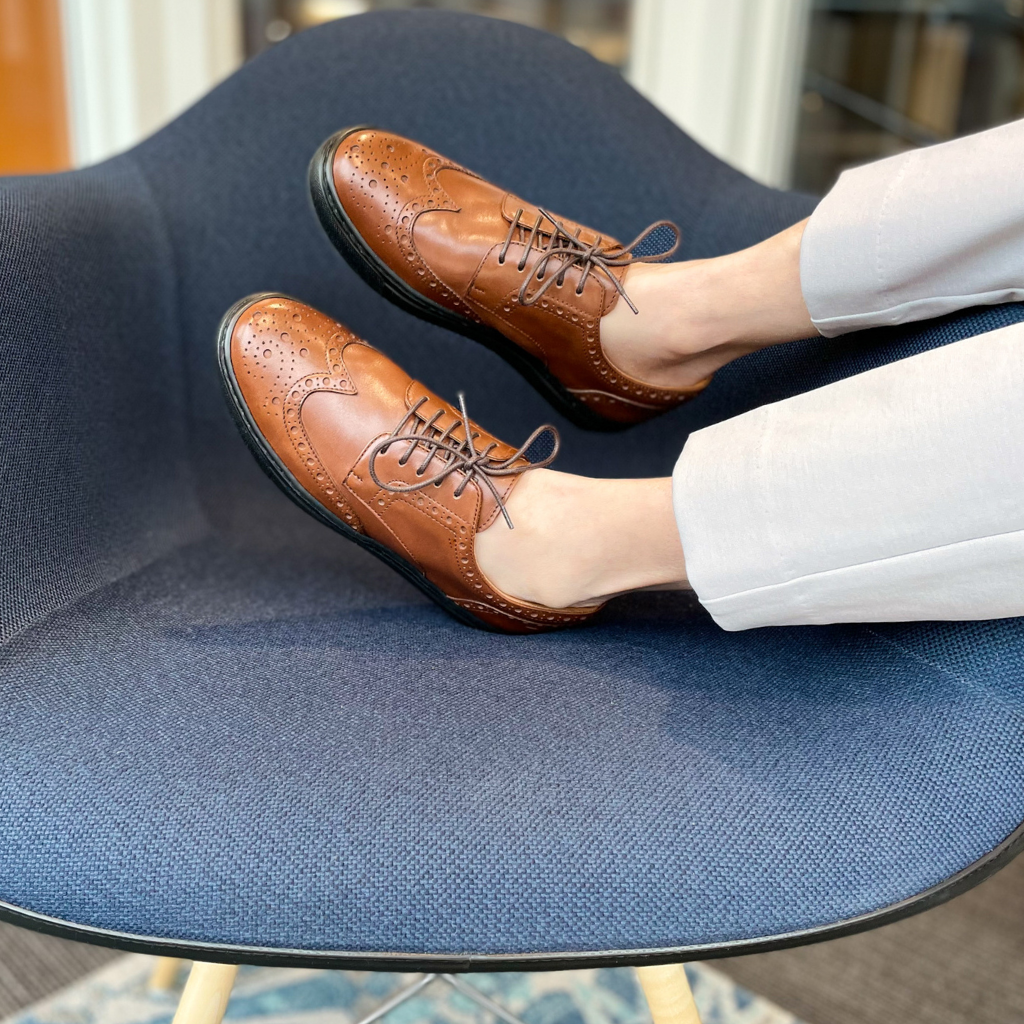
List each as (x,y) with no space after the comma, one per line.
(898,493)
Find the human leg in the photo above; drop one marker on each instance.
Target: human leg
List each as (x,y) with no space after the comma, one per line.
(696,316)
(578,540)
(889,496)
(892,495)
(915,236)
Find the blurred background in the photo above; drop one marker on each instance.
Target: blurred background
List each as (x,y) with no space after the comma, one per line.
(790,91)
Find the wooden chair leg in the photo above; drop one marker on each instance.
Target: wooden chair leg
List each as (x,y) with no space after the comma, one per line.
(668,994)
(206,994)
(165,973)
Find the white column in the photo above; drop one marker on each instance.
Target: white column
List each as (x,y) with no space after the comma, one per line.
(728,72)
(133,65)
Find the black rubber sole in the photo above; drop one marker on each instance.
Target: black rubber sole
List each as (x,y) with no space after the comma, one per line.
(379,276)
(286,481)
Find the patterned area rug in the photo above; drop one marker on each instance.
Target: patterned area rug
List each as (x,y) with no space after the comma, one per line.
(119,994)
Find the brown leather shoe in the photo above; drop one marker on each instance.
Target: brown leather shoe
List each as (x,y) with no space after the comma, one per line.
(456,250)
(353,439)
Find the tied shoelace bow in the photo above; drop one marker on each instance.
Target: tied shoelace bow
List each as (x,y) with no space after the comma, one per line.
(569,251)
(458,456)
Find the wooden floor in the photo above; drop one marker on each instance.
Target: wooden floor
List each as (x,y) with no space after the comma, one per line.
(962,963)
(33,966)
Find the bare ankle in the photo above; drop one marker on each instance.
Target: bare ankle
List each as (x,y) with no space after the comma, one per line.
(666,342)
(697,316)
(578,540)
(519,562)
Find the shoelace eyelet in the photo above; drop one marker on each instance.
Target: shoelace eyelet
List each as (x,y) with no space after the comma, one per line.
(473,466)
(566,248)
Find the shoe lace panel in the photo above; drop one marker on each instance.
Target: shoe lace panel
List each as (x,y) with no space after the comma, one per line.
(566,250)
(454,455)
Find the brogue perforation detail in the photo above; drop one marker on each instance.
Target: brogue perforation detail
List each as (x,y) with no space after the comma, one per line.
(536,620)
(306,453)
(404,227)
(271,346)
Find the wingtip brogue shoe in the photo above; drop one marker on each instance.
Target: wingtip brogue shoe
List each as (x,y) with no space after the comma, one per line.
(356,442)
(454,249)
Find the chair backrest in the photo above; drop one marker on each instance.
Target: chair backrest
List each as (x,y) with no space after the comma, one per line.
(95,474)
(117,445)
(651,782)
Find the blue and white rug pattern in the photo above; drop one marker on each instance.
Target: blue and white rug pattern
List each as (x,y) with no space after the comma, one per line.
(119,994)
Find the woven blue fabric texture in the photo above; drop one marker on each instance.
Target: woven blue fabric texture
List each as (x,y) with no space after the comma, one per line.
(221,722)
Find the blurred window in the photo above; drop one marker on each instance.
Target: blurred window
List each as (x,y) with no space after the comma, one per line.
(599,26)
(883,76)
(33,114)
(880,76)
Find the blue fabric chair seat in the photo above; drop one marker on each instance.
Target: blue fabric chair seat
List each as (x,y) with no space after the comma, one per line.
(225,731)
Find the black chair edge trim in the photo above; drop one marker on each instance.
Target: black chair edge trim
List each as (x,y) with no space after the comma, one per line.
(969,877)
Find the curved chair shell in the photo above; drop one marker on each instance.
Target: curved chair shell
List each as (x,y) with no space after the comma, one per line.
(226,733)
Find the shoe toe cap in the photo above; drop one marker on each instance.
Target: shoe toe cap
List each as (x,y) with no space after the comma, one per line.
(380,179)
(276,345)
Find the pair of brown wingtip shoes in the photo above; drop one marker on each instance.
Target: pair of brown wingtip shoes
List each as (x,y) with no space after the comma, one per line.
(355,441)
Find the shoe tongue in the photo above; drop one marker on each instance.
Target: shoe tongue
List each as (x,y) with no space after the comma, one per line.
(489,509)
(417,392)
(451,414)
(511,203)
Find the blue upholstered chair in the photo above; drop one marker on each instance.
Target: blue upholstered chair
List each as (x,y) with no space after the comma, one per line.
(228,735)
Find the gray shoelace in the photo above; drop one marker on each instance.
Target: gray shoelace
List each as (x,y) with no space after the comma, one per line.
(567,250)
(456,456)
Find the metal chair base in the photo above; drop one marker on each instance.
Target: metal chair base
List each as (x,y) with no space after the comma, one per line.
(470,991)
